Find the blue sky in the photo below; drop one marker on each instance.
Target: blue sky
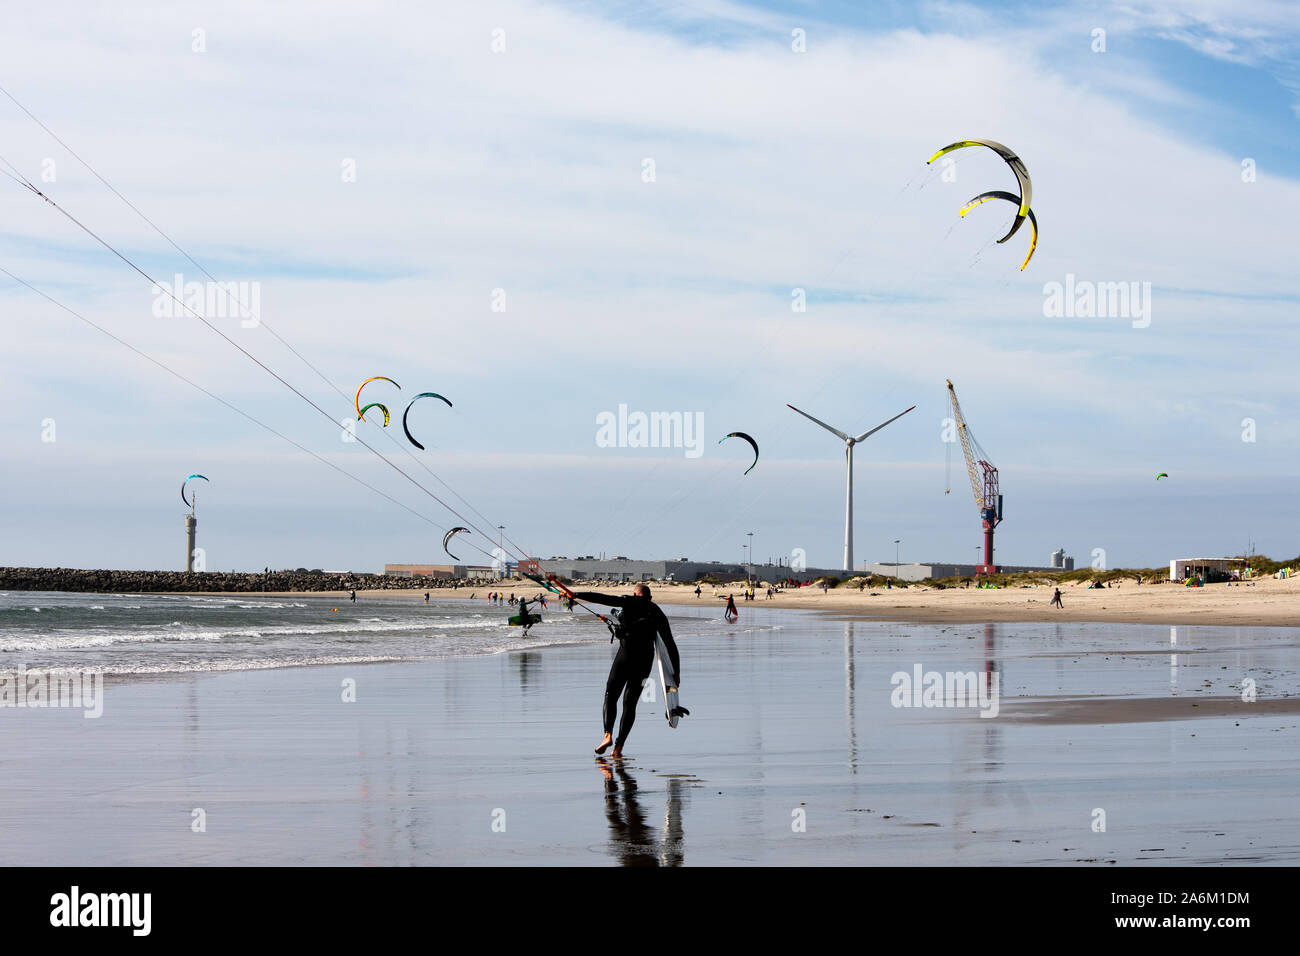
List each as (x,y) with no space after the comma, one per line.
(523,170)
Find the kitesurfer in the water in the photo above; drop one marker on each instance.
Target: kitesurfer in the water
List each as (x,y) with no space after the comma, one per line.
(640,620)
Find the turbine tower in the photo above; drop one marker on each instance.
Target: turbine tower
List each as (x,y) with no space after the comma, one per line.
(849,441)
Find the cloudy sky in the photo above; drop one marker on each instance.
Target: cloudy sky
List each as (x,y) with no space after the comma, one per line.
(546,211)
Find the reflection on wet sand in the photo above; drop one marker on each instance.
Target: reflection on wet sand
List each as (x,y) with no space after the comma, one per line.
(527,665)
(848,696)
(632,840)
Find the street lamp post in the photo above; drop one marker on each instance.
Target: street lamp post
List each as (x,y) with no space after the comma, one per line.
(501,551)
(896,541)
(749,571)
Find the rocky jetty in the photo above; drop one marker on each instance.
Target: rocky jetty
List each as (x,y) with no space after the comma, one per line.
(140,582)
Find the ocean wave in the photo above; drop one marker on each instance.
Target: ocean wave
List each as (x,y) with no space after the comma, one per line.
(190,667)
(70,640)
(149,633)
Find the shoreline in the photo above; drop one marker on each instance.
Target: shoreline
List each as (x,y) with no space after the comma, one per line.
(1266,602)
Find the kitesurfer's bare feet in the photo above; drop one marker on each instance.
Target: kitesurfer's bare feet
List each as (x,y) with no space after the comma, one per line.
(604,744)
(618,753)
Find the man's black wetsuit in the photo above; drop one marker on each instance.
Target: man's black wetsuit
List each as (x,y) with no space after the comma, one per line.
(641,619)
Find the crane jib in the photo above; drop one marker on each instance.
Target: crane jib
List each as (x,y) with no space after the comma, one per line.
(983,476)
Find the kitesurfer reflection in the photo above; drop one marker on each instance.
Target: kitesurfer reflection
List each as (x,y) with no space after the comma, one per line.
(632,840)
(527,664)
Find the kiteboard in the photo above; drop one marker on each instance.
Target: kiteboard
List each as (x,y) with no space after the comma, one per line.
(525,620)
(673,710)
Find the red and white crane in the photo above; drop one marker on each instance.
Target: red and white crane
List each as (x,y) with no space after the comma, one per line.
(983,482)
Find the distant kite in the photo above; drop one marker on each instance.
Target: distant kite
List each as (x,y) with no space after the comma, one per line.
(361,412)
(186,482)
(373,378)
(411,437)
(447,539)
(746,438)
(1163,474)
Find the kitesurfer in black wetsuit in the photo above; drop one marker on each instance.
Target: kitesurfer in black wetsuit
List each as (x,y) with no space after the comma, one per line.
(640,620)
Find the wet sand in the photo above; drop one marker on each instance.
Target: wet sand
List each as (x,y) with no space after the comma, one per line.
(794,755)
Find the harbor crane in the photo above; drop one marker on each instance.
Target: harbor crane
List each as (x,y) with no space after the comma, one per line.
(983,482)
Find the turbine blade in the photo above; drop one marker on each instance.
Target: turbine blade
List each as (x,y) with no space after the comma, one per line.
(882,425)
(833,431)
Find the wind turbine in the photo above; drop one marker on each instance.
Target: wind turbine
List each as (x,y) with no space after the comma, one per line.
(849,441)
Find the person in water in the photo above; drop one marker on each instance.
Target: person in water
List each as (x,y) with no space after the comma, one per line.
(731,613)
(640,621)
(527,620)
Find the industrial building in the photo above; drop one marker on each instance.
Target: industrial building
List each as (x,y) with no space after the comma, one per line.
(453,571)
(920,572)
(616,569)
(628,569)
(1060,562)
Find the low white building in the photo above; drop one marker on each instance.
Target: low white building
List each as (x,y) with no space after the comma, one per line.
(1209,569)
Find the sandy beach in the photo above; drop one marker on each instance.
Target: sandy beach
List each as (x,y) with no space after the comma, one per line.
(1265,602)
(796,753)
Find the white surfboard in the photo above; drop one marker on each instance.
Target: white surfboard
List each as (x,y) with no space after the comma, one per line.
(672,709)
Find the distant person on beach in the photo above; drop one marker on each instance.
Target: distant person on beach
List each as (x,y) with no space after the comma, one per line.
(640,621)
(426,597)
(697,590)
(353,595)
(1056,600)
(731,614)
